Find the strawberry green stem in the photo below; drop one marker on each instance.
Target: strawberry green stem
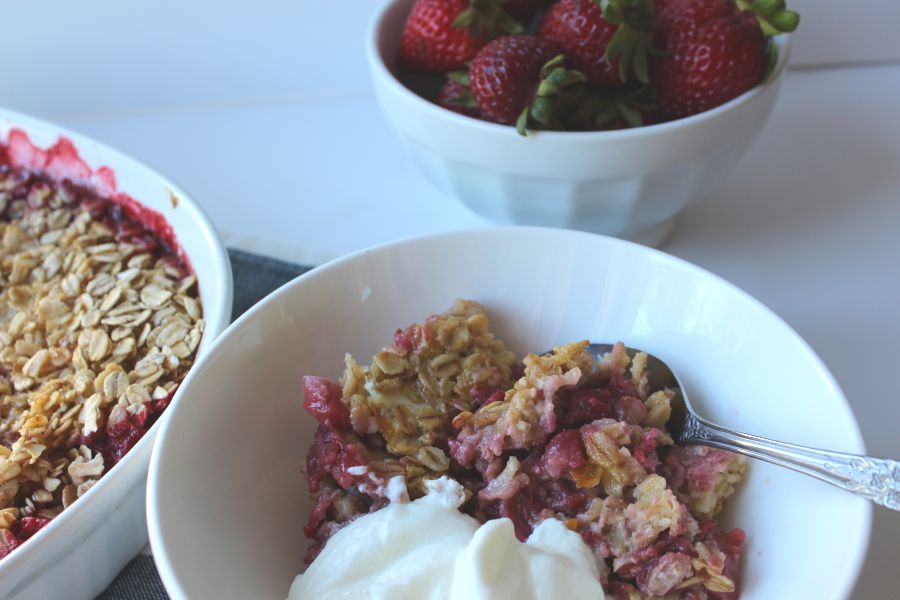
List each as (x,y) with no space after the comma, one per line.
(603,107)
(774,17)
(487,17)
(464,99)
(555,80)
(633,39)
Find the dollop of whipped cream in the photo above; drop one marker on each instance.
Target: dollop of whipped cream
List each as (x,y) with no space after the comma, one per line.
(428,550)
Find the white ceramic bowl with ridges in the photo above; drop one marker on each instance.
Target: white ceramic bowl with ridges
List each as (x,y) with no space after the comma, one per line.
(227,500)
(80,552)
(631,183)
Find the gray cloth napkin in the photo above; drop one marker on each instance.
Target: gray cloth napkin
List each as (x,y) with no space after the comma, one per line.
(254,277)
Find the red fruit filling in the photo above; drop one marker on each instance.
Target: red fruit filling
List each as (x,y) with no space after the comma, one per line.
(322,399)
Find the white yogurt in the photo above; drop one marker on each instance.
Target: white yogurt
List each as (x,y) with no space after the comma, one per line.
(428,550)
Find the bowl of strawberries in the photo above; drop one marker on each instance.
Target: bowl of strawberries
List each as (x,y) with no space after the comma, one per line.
(607,116)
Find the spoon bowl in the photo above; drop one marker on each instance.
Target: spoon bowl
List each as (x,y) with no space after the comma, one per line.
(877,479)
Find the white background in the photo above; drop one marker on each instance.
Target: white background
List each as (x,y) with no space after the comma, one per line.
(263,112)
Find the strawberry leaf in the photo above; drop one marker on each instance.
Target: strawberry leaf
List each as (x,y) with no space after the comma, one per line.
(460,77)
(630,115)
(558,90)
(464,100)
(785,20)
(547,87)
(768,29)
(542,110)
(625,60)
(563,77)
(641,70)
(771,59)
(557,61)
(522,122)
(633,39)
(604,108)
(487,17)
(616,45)
(640,19)
(773,17)
(612,12)
(509,24)
(465,19)
(605,114)
(766,7)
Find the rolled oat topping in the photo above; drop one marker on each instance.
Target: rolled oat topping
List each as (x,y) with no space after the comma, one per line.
(99,322)
(562,435)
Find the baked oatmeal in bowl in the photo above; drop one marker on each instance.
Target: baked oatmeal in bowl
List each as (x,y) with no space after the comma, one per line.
(102,313)
(233,467)
(560,435)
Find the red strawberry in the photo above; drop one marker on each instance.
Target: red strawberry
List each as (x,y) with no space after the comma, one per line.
(713,51)
(440,35)
(514,78)
(608,40)
(429,40)
(456,95)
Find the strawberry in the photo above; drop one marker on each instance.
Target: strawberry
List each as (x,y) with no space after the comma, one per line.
(456,95)
(515,78)
(606,39)
(713,51)
(440,35)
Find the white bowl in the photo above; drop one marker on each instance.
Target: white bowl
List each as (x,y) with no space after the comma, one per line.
(226,497)
(81,551)
(631,183)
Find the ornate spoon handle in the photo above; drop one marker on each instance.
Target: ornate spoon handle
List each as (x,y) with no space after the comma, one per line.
(877,479)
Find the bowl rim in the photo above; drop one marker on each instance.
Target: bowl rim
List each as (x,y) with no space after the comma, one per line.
(168,570)
(25,556)
(380,70)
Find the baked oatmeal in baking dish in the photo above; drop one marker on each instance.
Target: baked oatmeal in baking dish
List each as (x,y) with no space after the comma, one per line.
(100,319)
(563,435)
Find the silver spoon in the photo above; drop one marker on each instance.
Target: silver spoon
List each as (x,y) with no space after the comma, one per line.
(877,479)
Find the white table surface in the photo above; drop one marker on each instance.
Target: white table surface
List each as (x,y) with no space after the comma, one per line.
(263,112)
